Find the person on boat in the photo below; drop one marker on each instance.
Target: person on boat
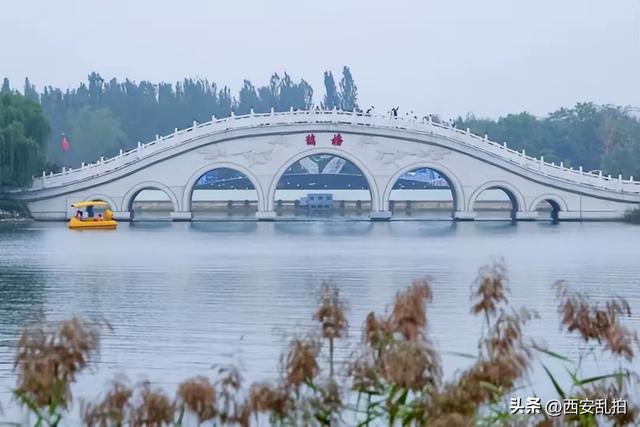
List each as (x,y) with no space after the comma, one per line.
(79,214)
(100,217)
(108,215)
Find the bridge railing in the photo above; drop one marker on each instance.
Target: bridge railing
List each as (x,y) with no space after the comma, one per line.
(425,126)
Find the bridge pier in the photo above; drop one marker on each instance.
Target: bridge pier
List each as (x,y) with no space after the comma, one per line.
(380,216)
(181,216)
(464,215)
(526,216)
(265,215)
(122,215)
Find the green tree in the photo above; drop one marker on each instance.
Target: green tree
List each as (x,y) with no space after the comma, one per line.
(30,90)
(331,96)
(348,91)
(94,132)
(5,86)
(23,133)
(597,137)
(248,99)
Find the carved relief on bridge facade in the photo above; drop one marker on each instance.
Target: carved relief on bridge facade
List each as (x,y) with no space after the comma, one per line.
(251,157)
(394,153)
(397,156)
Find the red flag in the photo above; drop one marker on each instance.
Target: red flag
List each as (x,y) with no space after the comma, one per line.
(64,144)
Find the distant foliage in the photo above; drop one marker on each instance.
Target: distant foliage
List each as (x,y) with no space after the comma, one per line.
(281,94)
(598,137)
(94,132)
(141,110)
(346,98)
(348,91)
(331,97)
(23,135)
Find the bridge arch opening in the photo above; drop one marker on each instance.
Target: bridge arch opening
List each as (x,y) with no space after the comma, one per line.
(150,202)
(223,192)
(423,192)
(323,185)
(548,207)
(496,202)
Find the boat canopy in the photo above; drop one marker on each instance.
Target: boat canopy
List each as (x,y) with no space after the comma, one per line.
(98,203)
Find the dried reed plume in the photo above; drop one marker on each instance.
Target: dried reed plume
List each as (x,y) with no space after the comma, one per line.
(232,408)
(409,316)
(410,365)
(154,409)
(397,351)
(331,312)
(301,362)
(113,409)
(332,316)
(198,396)
(506,359)
(489,290)
(267,398)
(611,391)
(396,367)
(49,358)
(592,321)
(504,356)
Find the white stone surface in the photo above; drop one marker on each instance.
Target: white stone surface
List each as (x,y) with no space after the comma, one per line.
(263,146)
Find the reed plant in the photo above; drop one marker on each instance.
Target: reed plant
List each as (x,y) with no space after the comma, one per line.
(393,377)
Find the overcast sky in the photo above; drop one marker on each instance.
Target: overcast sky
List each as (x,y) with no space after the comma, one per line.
(451,57)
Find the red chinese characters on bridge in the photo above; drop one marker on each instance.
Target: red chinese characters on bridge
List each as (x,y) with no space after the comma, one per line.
(336,140)
(310,139)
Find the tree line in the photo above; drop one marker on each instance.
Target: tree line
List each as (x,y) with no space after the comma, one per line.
(100,117)
(23,136)
(597,137)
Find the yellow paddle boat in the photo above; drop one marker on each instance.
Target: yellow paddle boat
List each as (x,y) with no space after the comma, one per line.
(103,221)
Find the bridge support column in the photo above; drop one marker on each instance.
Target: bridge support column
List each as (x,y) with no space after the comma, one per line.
(526,216)
(265,215)
(464,215)
(181,216)
(380,216)
(122,215)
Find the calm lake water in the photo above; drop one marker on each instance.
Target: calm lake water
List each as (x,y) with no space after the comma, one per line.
(182,297)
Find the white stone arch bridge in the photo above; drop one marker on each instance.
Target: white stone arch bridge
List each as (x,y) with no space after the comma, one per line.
(263,146)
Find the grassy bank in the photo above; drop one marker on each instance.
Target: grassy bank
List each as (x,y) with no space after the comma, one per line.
(394,376)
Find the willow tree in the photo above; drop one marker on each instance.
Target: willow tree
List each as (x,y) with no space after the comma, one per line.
(23,136)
